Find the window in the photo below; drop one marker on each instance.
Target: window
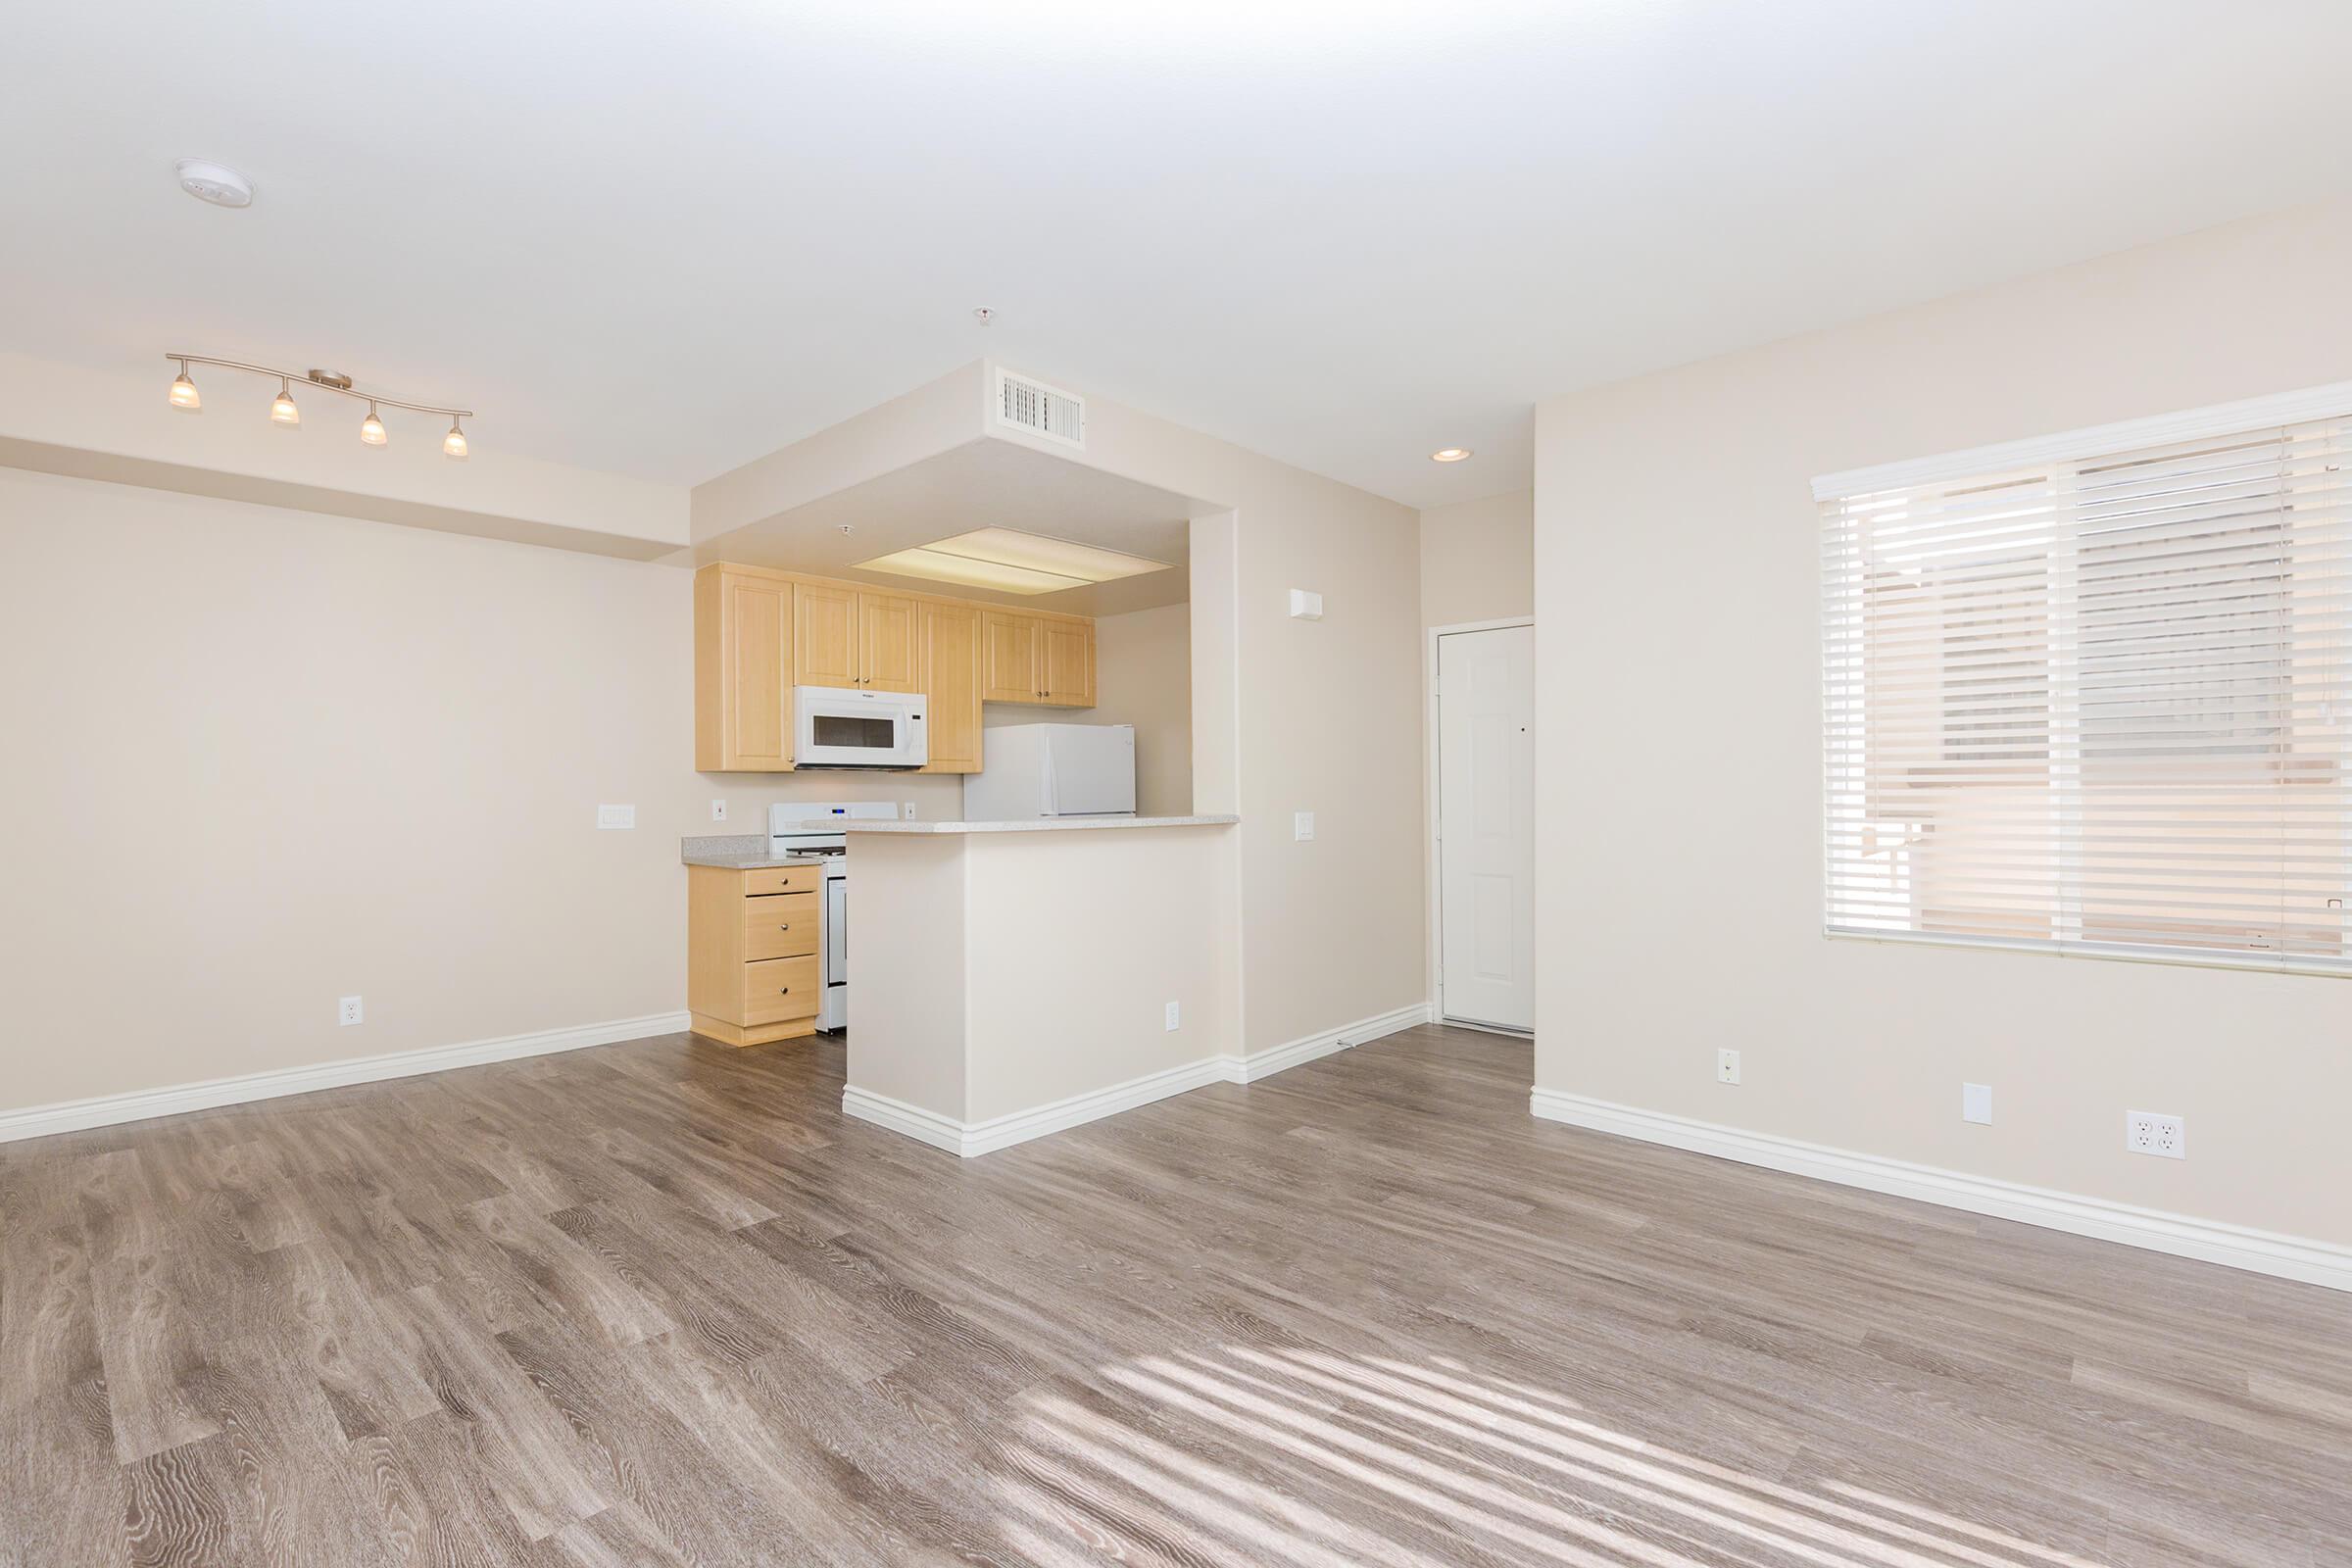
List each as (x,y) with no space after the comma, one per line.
(2094,694)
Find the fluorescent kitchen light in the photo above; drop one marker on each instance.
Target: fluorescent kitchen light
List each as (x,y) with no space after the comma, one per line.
(1014,561)
(926,561)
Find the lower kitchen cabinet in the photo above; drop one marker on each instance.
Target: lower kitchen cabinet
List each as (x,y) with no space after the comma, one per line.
(751,944)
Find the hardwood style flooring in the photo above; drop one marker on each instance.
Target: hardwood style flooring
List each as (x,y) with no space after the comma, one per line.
(661,1303)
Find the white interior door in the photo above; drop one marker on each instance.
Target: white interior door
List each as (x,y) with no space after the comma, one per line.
(1487,826)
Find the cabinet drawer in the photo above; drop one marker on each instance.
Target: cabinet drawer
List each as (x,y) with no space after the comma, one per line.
(779,989)
(783,879)
(782,926)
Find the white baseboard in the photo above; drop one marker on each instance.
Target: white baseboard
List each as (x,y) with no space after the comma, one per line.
(107,1111)
(2292,1257)
(968,1138)
(1265,1063)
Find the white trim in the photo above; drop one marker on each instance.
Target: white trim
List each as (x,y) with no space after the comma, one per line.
(107,1111)
(1305,1049)
(2291,1258)
(1433,867)
(971,1139)
(2191,424)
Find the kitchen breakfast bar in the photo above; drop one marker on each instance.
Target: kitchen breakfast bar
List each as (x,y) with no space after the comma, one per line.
(1025,976)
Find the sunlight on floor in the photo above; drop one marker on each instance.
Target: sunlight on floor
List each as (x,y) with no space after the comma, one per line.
(1250,1444)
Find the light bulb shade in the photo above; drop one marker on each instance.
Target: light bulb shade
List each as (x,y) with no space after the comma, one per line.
(283,409)
(371,428)
(454,443)
(184,394)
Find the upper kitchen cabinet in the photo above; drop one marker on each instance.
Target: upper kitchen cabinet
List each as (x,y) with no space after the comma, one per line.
(1008,657)
(1047,660)
(1065,664)
(948,637)
(742,692)
(889,643)
(847,637)
(825,647)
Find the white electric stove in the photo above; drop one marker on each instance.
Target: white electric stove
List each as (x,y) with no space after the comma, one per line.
(806,828)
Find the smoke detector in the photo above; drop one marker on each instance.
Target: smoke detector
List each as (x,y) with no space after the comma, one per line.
(217,183)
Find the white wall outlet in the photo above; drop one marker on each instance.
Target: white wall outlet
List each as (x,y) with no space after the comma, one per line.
(1727,1067)
(1975,1102)
(1306,603)
(718,811)
(1302,826)
(910,811)
(616,816)
(348,1011)
(2145,1132)
(1171,1016)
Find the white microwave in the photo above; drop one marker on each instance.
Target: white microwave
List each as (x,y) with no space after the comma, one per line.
(833,726)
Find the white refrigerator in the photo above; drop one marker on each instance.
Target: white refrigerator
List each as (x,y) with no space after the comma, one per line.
(1052,770)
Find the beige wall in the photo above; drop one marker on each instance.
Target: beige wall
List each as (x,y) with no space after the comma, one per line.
(1143,676)
(1321,716)
(1678,877)
(257,760)
(1478,560)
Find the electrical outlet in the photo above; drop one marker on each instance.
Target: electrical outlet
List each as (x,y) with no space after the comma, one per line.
(1727,1067)
(2146,1132)
(616,816)
(349,1012)
(1303,825)
(1975,1102)
(718,811)
(1171,1015)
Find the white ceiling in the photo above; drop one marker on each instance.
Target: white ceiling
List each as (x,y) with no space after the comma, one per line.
(981,484)
(664,240)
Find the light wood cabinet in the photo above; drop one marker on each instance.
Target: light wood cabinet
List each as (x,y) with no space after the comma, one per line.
(950,639)
(1065,664)
(1045,661)
(889,643)
(1008,657)
(824,635)
(760,632)
(742,692)
(751,952)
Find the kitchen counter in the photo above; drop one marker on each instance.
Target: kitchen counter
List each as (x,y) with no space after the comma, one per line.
(1014,978)
(1040,824)
(739,852)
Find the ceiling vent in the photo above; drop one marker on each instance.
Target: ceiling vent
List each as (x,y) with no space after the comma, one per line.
(1040,410)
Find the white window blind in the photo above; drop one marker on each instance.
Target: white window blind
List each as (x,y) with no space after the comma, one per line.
(2098,702)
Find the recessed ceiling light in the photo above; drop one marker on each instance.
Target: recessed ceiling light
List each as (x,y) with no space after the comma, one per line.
(1014,561)
(217,183)
(940,567)
(1449,455)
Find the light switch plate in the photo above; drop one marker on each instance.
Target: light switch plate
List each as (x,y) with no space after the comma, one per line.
(910,811)
(1975,1102)
(1303,825)
(616,816)
(718,811)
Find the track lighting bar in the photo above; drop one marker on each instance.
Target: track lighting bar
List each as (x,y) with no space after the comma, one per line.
(283,411)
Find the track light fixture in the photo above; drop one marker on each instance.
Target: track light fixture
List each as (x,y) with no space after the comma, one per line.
(282,411)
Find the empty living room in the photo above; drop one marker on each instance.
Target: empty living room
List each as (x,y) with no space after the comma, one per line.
(1595,759)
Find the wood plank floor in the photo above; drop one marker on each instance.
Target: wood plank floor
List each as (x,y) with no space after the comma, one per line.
(661,1303)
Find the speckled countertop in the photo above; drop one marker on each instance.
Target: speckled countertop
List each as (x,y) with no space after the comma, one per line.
(1039,824)
(739,852)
